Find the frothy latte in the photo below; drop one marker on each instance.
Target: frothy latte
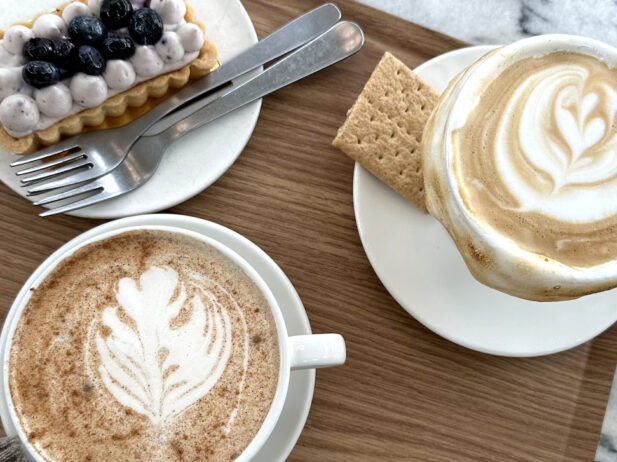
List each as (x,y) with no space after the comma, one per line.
(148,346)
(537,159)
(520,166)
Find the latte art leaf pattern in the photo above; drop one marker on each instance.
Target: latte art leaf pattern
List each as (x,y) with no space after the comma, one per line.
(148,363)
(151,345)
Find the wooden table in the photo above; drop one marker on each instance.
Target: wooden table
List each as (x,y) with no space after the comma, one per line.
(405,393)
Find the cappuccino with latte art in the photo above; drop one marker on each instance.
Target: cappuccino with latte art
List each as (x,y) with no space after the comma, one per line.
(520,164)
(149,345)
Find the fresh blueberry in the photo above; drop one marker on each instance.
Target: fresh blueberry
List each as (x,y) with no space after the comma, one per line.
(90,60)
(87,30)
(40,74)
(146,26)
(39,49)
(64,53)
(118,48)
(116,13)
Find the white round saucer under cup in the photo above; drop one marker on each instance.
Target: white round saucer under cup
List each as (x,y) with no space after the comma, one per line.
(195,161)
(302,383)
(420,266)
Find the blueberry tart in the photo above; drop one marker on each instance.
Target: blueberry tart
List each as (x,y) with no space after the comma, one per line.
(95,64)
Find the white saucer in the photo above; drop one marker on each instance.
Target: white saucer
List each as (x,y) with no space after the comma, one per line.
(302,383)
(197,160)
(419,265)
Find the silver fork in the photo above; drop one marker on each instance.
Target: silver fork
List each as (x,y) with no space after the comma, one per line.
(94,154)
(338,43)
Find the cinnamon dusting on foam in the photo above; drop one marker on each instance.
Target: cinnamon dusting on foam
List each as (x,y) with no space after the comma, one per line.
(63,403)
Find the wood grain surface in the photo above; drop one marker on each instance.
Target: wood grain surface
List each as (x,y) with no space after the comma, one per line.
(405,393)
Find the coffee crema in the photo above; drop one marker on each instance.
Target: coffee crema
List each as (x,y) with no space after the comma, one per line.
(150,346)
(536,159)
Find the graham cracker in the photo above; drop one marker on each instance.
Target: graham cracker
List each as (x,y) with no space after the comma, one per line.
(384,127)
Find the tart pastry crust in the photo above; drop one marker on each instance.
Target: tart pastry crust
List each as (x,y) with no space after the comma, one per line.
(122,108)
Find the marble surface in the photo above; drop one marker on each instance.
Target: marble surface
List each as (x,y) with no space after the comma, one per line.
(607,446)
(504,21)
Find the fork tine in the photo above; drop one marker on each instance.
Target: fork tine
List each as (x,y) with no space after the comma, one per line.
(80,177)
(44,153)
(67,168)
(103,195)
(53,163)
(69,194)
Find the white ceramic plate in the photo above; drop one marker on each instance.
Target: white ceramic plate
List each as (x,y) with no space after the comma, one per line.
(418,263)
(302,383)
(197,160)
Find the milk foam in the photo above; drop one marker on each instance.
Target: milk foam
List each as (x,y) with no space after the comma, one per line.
(151,367)
(245,362)
(165,349)
(520,166)
(560,120)
(535,160)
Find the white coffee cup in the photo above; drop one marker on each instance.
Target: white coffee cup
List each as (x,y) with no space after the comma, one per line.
(296,352)
(492,258)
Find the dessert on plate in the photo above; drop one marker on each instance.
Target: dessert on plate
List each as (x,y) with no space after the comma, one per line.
(95,64)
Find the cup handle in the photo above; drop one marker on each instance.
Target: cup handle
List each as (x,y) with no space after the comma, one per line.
(316,351)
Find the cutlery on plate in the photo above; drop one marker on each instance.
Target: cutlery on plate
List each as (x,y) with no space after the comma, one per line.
(338,43)
(91,155)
